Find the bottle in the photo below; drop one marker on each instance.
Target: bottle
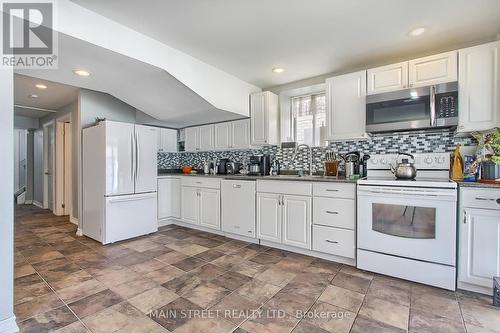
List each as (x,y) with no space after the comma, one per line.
(457,168)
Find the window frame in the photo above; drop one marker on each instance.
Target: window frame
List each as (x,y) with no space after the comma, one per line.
(293,119)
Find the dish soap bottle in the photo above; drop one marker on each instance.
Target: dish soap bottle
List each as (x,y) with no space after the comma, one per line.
(457,168)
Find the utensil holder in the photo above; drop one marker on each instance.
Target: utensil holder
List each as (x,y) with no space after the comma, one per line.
(331,168)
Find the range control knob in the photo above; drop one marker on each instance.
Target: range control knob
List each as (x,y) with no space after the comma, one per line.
(428,160)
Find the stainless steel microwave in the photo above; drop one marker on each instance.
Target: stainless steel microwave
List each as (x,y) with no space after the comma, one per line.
(416,108)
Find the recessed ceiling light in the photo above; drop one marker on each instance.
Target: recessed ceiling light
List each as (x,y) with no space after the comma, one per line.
(33,96)
(416,32)
(41,86)
(81,72)
(278,70)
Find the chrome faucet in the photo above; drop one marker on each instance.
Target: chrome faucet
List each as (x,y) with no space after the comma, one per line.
(294,155)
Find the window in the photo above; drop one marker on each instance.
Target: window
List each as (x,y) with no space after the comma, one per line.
(308,114)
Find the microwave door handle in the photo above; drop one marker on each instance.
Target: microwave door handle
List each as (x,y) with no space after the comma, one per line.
(433,105)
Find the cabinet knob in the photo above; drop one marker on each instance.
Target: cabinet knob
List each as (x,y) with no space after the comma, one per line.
(498,201)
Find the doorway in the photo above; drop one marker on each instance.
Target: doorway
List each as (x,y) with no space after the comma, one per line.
(63,169)
(48,165)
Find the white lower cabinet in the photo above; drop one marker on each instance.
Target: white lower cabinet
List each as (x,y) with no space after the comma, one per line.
(169,204)
(269,214)
(336,241)
(479,240)
(297,221)
(201,205)
(238,207)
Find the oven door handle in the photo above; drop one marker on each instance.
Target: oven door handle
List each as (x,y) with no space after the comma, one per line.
(407,192)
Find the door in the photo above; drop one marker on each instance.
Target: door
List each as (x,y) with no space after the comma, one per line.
(479,246)
(68,169)
(241,134)
(189,204)
(223,136)
(206,137)
(146,159)
(269,212)
(297,221)
(238,207)
(169,192)
(346,106)
(408,222)
(388,78)
(259,126)
(478,87)
(48,165)
(209,206)
(435,69)
(120,158)
(192,138)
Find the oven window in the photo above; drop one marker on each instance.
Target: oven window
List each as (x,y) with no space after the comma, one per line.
(404,221)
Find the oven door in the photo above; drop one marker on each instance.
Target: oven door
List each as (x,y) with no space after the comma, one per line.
(417,223)
(399,110)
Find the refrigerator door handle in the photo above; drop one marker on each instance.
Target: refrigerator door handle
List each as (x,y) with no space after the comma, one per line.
(136,155)
(132,164)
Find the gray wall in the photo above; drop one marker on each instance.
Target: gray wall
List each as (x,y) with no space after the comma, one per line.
(6,200)
(22,122)
(94,104)
(38,166)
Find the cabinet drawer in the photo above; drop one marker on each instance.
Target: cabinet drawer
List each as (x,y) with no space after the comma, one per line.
(339,242)
(201,182)
(335,190)
(278,186)
(481,198)
(334,212)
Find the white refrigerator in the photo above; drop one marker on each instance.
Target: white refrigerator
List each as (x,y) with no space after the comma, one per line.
(119,181)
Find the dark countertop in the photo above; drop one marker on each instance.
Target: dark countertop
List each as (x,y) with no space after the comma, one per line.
(315,178)
(478,185)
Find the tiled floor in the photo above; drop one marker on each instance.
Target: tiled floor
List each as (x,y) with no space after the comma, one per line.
(65,283)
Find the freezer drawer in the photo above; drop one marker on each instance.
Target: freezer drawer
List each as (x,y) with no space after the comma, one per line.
(129,216)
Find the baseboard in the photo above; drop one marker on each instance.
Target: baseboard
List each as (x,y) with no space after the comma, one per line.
(73,220)
(28,202)
(79,232)
(475,288)
(38,204)
(166,221)
(9,325)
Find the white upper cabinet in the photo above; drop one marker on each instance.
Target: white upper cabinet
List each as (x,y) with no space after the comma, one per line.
(232,135)
(388,78)
(167,140)
(435,69)
(200,138)
(241,134)
(346,106)
(479,87)
(264,116)
(223,136)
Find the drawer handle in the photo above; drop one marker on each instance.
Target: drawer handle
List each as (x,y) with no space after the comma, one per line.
(331,212)
(485,199)
(236,186)
(330,190)
(333,242)
(198,182)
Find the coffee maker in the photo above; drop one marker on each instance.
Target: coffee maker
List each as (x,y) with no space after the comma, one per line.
(260,165)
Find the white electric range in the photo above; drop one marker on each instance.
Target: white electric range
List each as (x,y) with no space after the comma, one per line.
(407,228)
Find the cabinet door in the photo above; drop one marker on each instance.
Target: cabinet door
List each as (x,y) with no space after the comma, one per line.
(164,198)
(192,138)
(258,117)
(160,141)
(169,140)
(175,199)
(434,69)
(241,134)
(206,137)
(238,207)
(388,78)
(189,203)
(297,221)
(478,87)
(209,206)
(223,135)
(346,106)
(269,217)
(479,244)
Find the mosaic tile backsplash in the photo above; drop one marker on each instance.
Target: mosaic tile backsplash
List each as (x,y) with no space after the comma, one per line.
(410,142)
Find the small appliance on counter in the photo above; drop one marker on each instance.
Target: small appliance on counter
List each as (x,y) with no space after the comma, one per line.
(260,165)
(222,166)
(352,164)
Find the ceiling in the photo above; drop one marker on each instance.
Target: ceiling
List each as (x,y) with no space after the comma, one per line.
(143,86)
(307,37)
(54,97)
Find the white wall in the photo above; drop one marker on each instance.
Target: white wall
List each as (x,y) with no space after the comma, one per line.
(22,122)
(7,319)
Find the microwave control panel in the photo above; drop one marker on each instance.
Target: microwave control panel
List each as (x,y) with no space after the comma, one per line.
(446,105)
